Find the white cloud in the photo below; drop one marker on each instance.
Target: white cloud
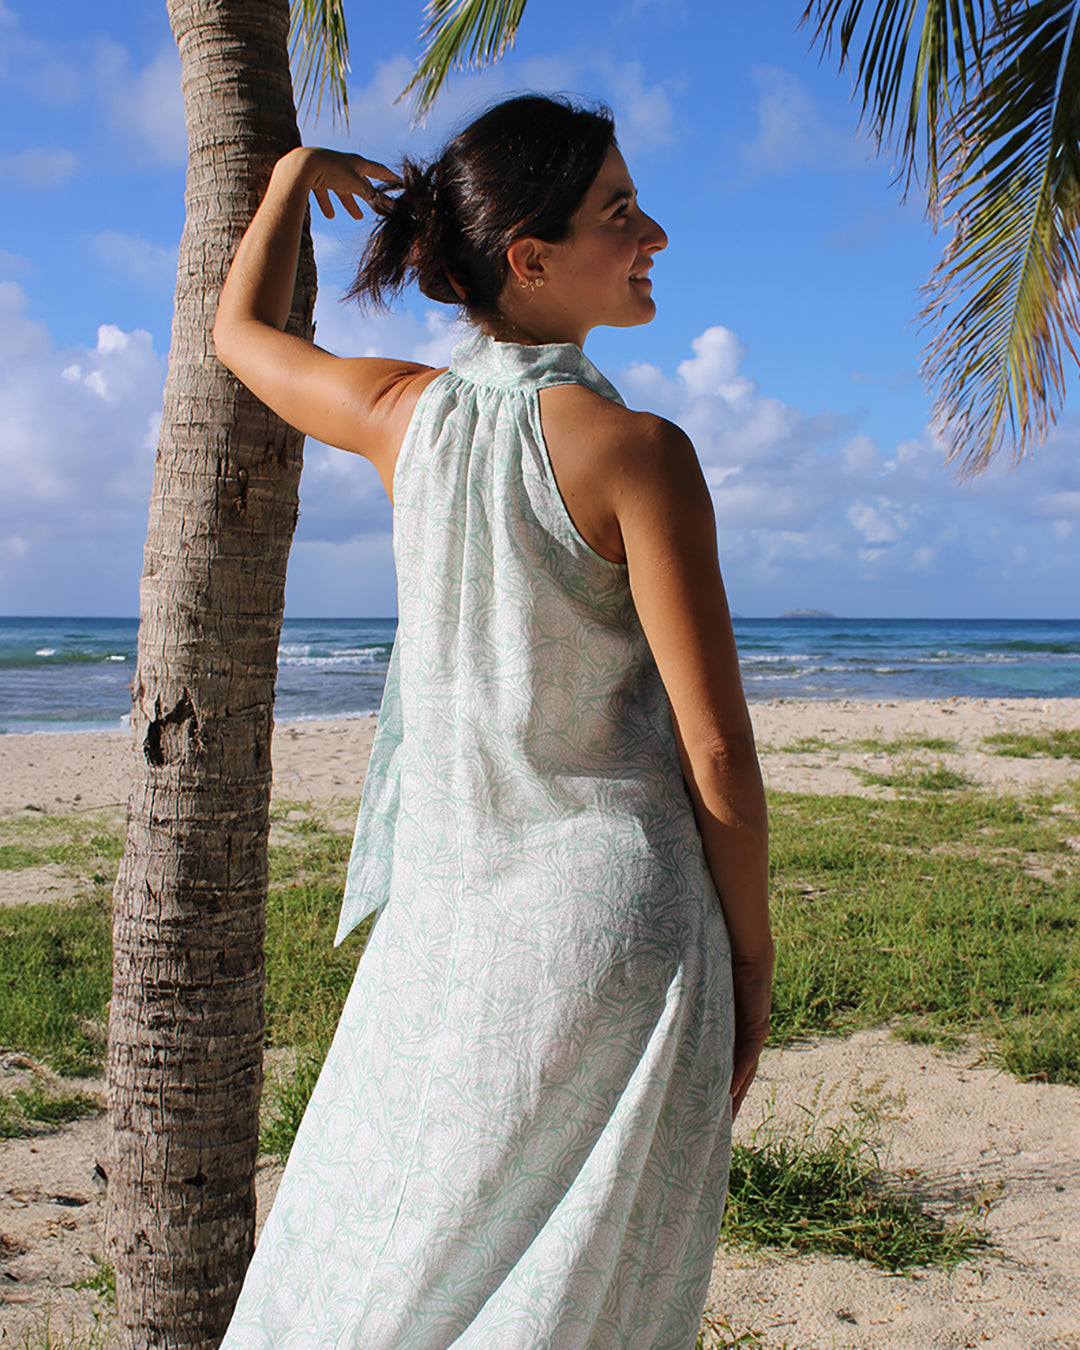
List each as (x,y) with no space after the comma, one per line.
(144,106)
(74,457)
(714,367)
(1059,505)
(861,457)
(644,115)
(879,522)
(722,411)
(38,170)
(343,328)
(643,112)
(791,133)
(135,258)
(808,514)
(20,338)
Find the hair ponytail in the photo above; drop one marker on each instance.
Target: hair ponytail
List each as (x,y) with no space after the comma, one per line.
(406,233)
(521,169)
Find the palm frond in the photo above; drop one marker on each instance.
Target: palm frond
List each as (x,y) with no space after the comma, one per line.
(319,48)
(485,27)
(936,72)
(1009,276)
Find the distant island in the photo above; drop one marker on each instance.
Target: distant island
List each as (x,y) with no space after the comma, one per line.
(808,614)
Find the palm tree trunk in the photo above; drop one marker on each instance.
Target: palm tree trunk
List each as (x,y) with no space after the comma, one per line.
(186,1021)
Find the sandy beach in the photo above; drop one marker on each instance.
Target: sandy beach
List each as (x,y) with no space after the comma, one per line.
(971,1139)
(325,761)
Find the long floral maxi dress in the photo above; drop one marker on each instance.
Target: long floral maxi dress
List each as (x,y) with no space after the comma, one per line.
(520,1139)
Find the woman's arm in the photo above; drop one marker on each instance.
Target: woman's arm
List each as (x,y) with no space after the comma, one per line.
(360,404)
(665,516)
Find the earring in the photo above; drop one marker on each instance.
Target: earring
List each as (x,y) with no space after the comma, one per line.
(531,285)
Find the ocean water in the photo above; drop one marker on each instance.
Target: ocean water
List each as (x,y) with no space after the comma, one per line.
(74,674)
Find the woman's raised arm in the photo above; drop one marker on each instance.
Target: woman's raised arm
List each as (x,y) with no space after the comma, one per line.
(360,404)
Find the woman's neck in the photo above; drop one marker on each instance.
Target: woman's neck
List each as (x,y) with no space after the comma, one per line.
(517,324)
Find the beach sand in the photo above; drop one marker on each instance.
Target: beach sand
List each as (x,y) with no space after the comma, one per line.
(325,761)
(970,1138)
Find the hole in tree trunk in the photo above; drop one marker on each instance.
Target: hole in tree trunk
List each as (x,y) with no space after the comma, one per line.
(166,736)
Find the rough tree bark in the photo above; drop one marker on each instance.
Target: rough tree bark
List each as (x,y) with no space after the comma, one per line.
(186,1021)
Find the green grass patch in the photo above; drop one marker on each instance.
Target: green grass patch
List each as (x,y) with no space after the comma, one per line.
(901,745)
(102,1283)
(821,1189)
(44,1336)
(285,1100)
(925,914)
(808,745)
(38,1109)
(1058,744)
(917,778)
(880,919)
(871,745)
(14,857)
(55,977)
(90,842)
(307,977)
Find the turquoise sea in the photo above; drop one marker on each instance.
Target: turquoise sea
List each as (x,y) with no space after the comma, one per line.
(73,674)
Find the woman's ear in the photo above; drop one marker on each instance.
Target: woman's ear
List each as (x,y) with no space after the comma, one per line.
(526,261)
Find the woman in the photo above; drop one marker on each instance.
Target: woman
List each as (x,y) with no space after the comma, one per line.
(521,1136)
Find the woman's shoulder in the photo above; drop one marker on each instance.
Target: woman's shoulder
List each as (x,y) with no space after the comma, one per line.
(606,457)
(616,434)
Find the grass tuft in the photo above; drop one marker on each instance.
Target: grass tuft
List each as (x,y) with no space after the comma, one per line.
(901,745)
(822,1189)
(723,1336)
(808,745)
(285,1101)
(44,1336)
(1059,744)
(917,778)
(25,1110)
(102,1283)
(14,857)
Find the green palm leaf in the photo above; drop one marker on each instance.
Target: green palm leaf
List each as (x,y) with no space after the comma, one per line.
(936,73)
(485,27)
(1008,280)
(992,89)
(319,48)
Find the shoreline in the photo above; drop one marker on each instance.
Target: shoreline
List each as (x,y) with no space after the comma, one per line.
(806,745)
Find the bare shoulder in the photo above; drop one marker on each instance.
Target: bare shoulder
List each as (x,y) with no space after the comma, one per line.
(610,462)
(634,442)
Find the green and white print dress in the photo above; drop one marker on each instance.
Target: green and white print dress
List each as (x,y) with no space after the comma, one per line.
(520,1139)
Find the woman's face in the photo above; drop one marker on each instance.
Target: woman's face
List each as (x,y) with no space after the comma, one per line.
(599,274)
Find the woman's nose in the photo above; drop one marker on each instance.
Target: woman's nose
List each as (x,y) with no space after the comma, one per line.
(655,237)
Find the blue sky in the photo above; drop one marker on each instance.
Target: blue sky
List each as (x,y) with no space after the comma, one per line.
(785,341)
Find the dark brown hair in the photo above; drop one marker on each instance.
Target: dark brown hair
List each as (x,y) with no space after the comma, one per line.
(521,169)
